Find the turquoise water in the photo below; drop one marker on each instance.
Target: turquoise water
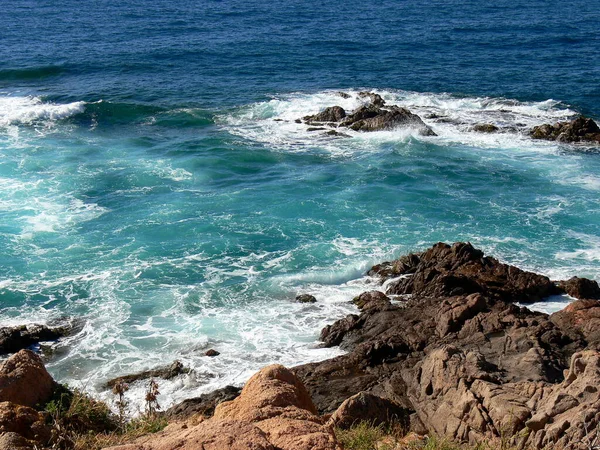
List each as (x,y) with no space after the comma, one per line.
(154,184)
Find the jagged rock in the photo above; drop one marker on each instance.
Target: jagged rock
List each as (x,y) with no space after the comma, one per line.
(331,114)
(486,128)
(582,129)
(370,118)
(24,380)
(13,339)
(24,421)
(343,94)
(306,298)
(205,404)
(469,366)
(581,288)
(460,269)
(212,353)
(375,99)
(581,318)
(167,373)
(366,407)
(336,133)
(274,411)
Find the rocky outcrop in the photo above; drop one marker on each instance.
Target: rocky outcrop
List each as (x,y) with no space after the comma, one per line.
(366,407)
(204,405)
(461,358)
(581,288)
(486,128)
(582,129)
(460,269)
(168,372)
(24,380)
(374,116)
(13,339)
(273,412)
(305,298)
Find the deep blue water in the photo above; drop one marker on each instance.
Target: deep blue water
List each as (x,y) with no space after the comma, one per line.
(148,187)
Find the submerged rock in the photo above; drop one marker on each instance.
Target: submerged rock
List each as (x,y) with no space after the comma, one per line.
(486,128)
(306,298)
(211,352)
(582,129)
(166,373)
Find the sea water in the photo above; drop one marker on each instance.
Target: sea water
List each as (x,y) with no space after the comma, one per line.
(155,186)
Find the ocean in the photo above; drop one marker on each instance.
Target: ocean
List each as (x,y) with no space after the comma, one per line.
(155,186)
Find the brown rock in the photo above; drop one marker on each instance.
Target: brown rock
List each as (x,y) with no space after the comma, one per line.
(486,128)
(24,380)
(25,421)
(375,99)
(306,298)
(13,339)
(387,119)
(366,407)
(274,412)
(460,269)
(14,441)
(582,129)
(212,353)
(581,288)
(582,318)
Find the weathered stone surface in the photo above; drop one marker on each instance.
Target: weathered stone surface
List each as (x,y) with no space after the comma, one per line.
(14,441)
(168,372)
(374,98)
(24,421)
(274,411)
(461,358)
(376,119)
(204,405)
(365,406)
(581,288)
(24,380)
(582,129)
(581,318)
(13,339)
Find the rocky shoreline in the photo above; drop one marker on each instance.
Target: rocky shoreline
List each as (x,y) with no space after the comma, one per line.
(445,350)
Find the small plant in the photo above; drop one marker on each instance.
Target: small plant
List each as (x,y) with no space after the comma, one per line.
(152,393)
(362,436)
(119,389)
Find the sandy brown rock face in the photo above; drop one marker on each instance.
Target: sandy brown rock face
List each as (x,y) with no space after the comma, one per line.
(273,412)
(24,421)
(24,380)
(371,408)
(14,441)
(581,318)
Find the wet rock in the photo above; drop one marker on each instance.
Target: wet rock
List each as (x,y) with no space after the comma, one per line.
(387,119)
(167,373)
(24,380)
(581,288)
(13,339)
(367,407)
(315,129)
(582,129)
(371,299)
(336,133)
(204,405)
(343,94)
(331,114)
(212,353)
(306,298)
(460,269)
(375,99)
(486,128)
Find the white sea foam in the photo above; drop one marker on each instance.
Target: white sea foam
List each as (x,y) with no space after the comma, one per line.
(273,122)
(16,111)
